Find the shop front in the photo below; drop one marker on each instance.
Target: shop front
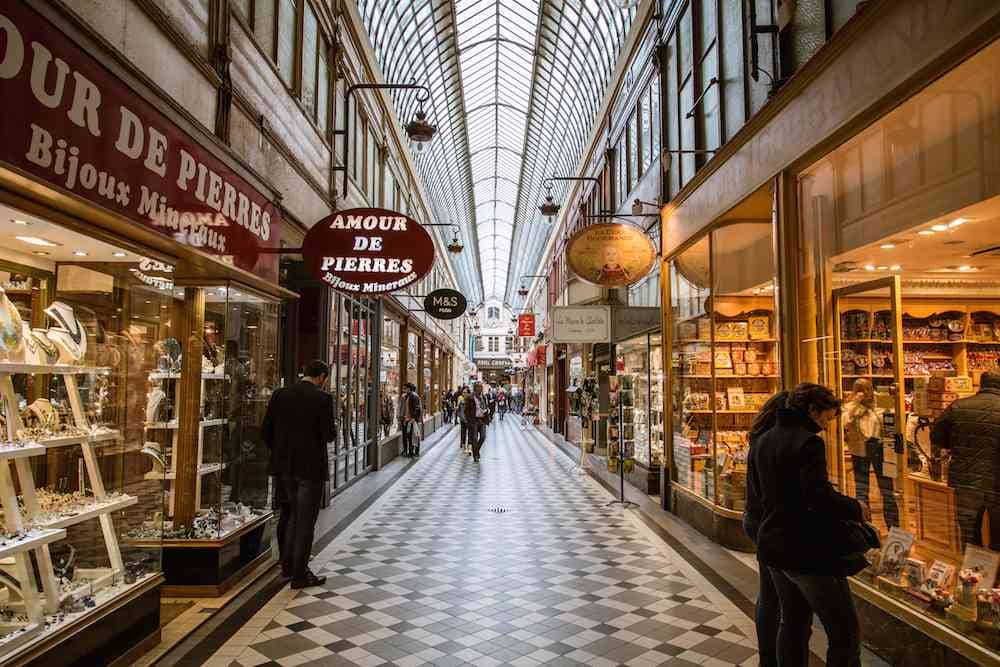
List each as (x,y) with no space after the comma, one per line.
(724,363)
(139,348)
(899,310)
(865,263)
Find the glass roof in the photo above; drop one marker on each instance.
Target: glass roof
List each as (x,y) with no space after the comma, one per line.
(516,86)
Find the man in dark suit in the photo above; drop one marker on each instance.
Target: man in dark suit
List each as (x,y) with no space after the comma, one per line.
(477,416)
(411,417)
(297,427)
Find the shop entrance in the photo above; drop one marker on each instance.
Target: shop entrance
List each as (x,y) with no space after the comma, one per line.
(870,376)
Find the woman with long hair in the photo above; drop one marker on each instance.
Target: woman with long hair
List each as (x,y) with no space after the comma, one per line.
(767,614)
(801,536)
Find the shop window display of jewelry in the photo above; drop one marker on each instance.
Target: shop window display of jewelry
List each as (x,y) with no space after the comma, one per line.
(211,523)
(45,593)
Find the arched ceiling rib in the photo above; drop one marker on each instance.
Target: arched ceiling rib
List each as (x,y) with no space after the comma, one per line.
(517,86)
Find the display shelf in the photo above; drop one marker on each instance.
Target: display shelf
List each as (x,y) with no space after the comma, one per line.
(721,412)
(223,537)
(172,425)
(91,513)
(175,375)
(51,443)
(203,469)
(38,537)
(15,368)
(19,637)
(27,451)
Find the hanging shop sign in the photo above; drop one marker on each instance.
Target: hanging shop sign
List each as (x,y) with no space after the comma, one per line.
(631,321)
(445,304)
(611,255)
(77,127)
(368,251)
(581,324)
(526,324)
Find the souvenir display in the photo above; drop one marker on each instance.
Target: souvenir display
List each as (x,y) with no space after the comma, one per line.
(740,369)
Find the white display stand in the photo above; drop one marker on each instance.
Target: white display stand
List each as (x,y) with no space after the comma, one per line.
(203,468)
(42,535)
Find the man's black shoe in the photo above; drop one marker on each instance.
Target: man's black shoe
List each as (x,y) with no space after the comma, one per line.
(310,580)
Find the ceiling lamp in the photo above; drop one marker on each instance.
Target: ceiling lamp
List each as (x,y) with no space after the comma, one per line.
(419,130)
(455,247)
(523,291)
(549,209)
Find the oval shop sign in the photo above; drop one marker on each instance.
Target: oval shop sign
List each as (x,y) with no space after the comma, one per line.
(445,304)
(368,251)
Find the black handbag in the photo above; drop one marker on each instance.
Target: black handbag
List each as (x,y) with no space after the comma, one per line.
(860,537)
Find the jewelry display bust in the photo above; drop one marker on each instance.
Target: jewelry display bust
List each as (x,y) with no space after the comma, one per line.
(11,328)
(69,334)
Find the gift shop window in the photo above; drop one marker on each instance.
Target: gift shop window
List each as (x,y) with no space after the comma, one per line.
(353,388)
(724,357)
(899,311)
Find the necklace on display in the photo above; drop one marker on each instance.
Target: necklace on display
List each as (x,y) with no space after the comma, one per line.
(62,313)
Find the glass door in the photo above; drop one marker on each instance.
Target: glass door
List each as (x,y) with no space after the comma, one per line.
(868,346)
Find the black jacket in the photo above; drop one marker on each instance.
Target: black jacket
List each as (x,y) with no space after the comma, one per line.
(801,515)
(970,429)
(297,427)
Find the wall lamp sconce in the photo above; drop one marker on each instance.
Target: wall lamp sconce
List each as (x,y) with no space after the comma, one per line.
(418,130)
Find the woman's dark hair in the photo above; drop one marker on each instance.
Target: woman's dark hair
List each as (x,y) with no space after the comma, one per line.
(809,396)
(768,415)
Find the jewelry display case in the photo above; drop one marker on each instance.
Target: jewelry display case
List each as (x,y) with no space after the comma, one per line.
(73,476)
(216,522)
(640,364)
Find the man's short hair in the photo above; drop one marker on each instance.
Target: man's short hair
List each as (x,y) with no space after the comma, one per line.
(316,368)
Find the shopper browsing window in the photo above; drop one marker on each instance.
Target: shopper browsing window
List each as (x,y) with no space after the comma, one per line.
(411,418)
(805,536)
(298,424)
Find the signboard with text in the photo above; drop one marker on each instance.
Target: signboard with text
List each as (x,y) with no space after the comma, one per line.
(72,124)
(526,325)
(581,324)
(368,251)
(445,304)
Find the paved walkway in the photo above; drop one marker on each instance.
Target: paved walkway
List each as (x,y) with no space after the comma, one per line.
(518,560)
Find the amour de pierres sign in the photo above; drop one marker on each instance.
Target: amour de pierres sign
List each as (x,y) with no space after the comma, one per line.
(368,251)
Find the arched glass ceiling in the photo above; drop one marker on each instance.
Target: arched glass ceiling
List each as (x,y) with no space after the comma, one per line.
(517,85)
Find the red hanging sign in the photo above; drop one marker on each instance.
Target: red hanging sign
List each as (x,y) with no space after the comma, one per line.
(71,123)
(368,251)
(526,325)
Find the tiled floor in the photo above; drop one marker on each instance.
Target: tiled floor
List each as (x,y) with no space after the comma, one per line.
(433,574)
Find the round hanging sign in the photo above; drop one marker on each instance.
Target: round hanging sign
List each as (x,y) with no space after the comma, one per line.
(368,251)
(445,304)
(611,254)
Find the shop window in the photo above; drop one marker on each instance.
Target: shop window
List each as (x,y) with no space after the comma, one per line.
(724,357)
(390,380)
(427,372)
(640,386)
(412,359)
(899,313)
(287,40)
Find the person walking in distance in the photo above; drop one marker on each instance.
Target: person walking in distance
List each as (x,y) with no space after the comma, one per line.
(806,536)
(411,420)
(477,416)
(502,403)
(298,424)
(463,439)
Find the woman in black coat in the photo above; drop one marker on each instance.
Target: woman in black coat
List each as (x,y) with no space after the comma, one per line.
(801,536)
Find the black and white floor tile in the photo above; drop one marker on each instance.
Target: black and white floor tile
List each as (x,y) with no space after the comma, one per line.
(515,561)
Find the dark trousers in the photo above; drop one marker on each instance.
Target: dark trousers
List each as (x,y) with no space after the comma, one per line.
(464,433)
(299,501)
(862,466)
(477,435)
(767,618)
(409,431)
(830,598)
(971,507)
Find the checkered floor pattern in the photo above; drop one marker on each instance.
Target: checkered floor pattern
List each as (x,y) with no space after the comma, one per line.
(434,575)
